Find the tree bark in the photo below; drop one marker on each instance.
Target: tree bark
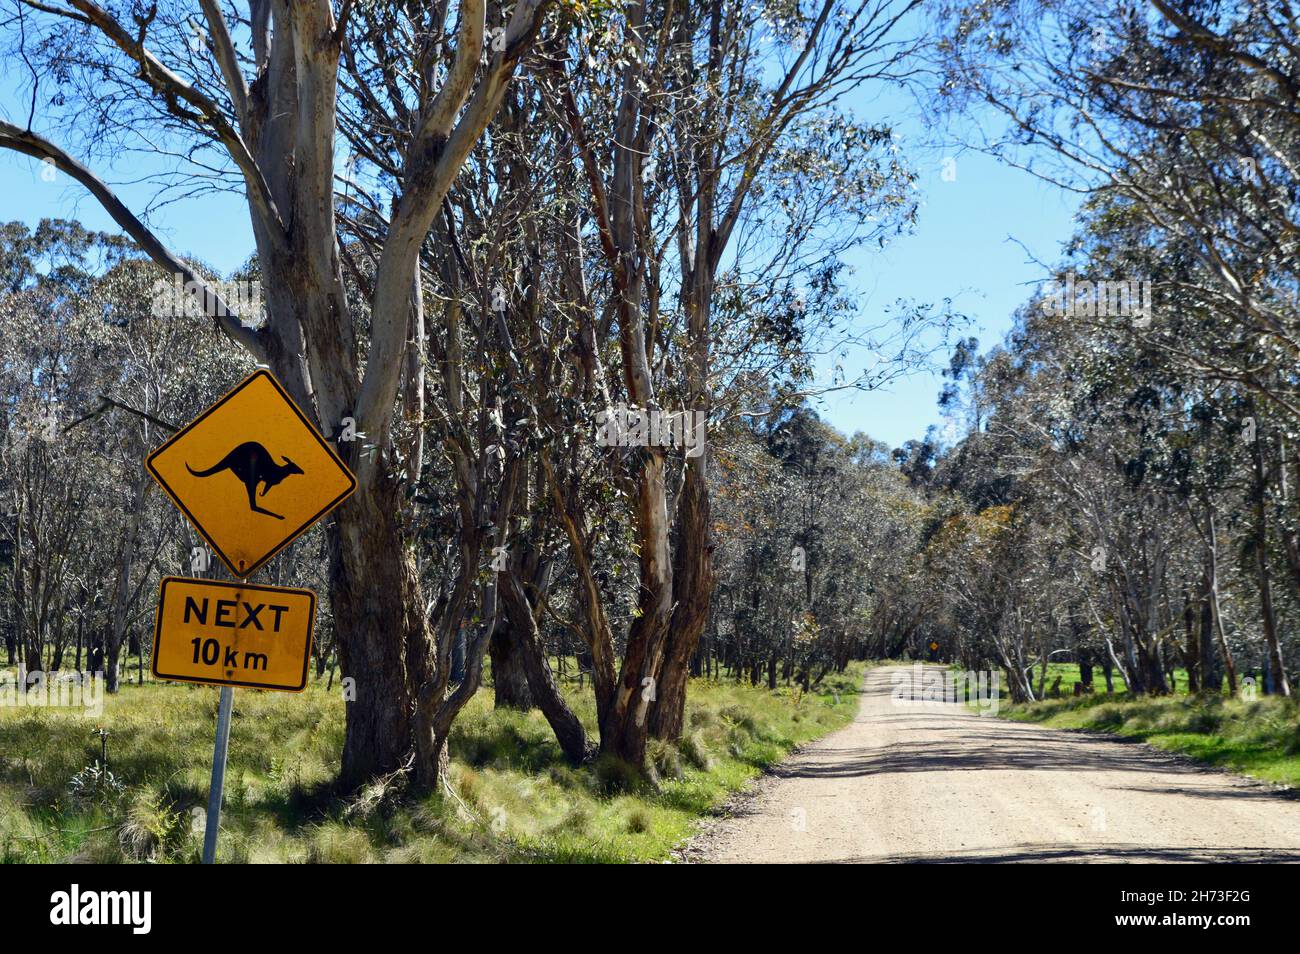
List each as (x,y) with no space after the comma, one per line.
(540,681)
(382,632)
(625,727)
(693,586)
(1212,567)
(509,674)
(122,585)
(1277,668)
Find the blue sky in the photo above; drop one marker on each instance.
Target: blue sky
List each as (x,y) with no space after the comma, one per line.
(974,242)
(962,248)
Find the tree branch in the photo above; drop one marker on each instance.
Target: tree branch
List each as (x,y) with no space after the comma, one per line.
(38,147)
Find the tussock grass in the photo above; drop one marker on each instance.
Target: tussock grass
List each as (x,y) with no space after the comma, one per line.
(515,798)
(1259,737)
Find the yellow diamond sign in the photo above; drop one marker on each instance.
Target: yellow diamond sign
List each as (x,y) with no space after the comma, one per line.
(251,473)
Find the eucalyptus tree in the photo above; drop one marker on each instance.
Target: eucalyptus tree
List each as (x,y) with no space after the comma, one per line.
(720,178)
(251,98)
(1184,125)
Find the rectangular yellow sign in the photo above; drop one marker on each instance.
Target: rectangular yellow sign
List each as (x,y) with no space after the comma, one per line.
(233,634)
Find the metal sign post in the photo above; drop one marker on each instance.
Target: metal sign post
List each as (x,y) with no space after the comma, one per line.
(218,784)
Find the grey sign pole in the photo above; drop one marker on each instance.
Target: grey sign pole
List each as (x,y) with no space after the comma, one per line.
(218,774)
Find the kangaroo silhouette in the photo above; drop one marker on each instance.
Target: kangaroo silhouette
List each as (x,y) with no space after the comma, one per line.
(253,464)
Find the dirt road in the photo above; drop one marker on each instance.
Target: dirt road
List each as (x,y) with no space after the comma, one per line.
(928,783)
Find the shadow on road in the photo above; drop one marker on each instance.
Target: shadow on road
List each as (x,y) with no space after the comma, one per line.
(1036,749)
(973,743)
(1075,854)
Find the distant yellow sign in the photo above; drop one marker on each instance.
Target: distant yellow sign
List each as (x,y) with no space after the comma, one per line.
(251,473)
(233,634)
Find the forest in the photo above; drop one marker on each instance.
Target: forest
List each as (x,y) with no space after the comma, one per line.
(479,228)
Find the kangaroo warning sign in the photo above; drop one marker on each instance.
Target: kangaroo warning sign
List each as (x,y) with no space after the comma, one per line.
(233,634)
(251,473)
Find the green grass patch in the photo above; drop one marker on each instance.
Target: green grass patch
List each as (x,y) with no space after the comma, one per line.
(515,798)
(1258,737)
(1069,675)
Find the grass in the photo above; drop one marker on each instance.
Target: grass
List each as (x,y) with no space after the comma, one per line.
(1259,737)
(516,799)
(1069,673)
